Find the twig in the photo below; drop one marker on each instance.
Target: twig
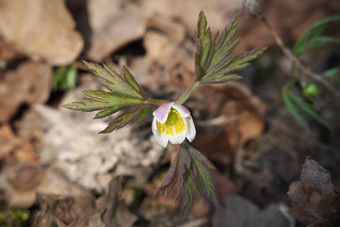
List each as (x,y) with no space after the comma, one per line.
(306,70)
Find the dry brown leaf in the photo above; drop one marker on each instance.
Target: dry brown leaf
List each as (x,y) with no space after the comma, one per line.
(110,210)
(30,83)
(229,116)
(314,193)
(20,182)
(42,29)
(8,141)
(112,27)
(63,210)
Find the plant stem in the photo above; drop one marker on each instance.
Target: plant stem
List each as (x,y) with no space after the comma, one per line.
(155,102)
(184,97)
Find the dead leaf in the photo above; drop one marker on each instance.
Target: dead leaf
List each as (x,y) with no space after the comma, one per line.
(8,141)
(227,116)
(63,210)
(14,148)
(110,210)
(42,29)
(21,181)
(71,145)
(30,83)
(112,27)
(240,212)
(314,193)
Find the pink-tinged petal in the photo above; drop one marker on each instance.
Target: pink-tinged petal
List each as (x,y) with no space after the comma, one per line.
(191,130)
(182,110)
(162,112)
(162,140)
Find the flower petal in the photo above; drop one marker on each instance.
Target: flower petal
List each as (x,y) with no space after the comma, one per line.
(183,111)
(162,112)
(162,139)
(154,127)
(177,138)
(191,130)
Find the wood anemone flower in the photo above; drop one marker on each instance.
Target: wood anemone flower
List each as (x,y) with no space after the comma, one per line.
(172,122)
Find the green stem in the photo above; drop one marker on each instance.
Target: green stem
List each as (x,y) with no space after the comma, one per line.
(179,101)
(155,102)
(184,97)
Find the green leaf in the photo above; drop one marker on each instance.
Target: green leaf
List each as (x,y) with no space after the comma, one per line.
(221,79)
(312,35)
(123,119)
(212,54)
(113,99)
(293,104)
(142,116)
(109,111)
(308,108)
(293,109)
(64,78)
(331,72)
(125,94)
(87,104)
(112,80)
(133,83)
(234,63)
(189,172)
(320,41)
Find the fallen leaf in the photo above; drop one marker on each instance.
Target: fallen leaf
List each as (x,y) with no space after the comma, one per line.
(63,210)
(8,141)
(110,211)
(21,181)
(112,27)
(314,193)
(227,116)
(39,28)
(28,84)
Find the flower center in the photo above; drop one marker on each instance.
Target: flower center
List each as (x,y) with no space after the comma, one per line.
(173,123)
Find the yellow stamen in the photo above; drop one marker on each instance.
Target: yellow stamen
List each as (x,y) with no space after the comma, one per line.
(174,120)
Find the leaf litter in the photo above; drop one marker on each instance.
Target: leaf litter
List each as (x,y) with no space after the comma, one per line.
(46,151)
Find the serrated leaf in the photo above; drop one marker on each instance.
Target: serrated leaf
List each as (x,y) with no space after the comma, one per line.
(123,119)
(113,81)
(109,111)
(113,99)
(221,79)
(212,54)
(87,104)
(237,62)
(313,33)
(133,83)
(189,172)
(143,115)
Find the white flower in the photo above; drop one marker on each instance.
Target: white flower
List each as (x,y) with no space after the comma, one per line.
(172,122)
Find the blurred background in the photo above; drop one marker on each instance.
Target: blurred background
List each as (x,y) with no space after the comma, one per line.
(56,170)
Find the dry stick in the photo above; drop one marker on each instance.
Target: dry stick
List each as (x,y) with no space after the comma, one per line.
(295,60)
